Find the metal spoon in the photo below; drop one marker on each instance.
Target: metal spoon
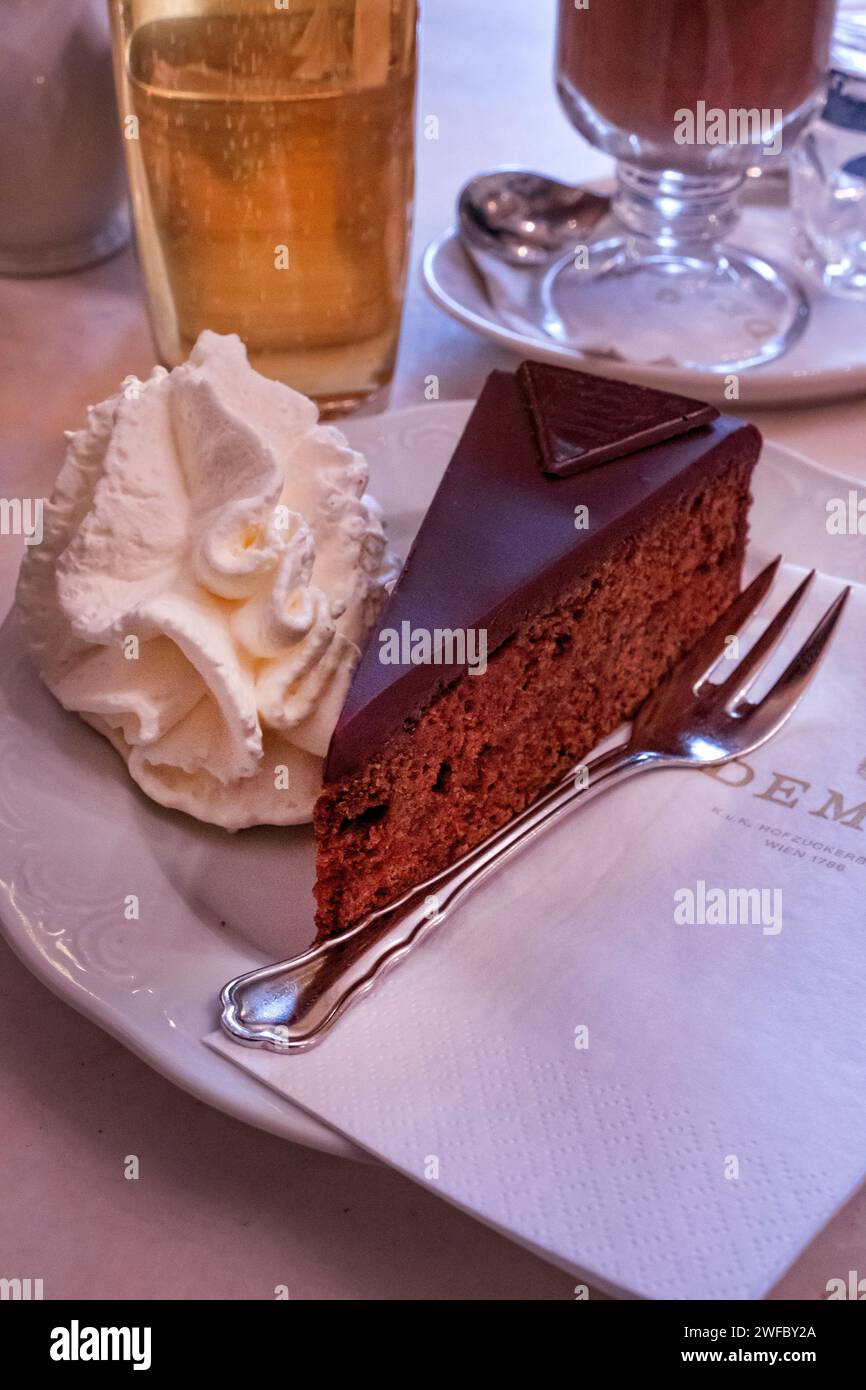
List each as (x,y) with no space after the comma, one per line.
(526,219)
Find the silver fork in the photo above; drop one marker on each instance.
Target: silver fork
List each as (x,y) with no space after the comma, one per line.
(688,721)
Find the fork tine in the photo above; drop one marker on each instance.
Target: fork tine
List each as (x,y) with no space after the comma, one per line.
(744,675)
(700,661)
(770,713)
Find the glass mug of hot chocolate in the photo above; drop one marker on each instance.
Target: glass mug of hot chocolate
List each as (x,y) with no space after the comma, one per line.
(686,95)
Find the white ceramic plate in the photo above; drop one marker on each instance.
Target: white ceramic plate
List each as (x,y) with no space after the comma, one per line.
(77,839)
(828,363)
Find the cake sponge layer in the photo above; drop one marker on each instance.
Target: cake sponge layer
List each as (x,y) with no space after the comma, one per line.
(563,680)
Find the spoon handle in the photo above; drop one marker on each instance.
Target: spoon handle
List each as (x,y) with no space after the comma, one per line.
(288,1006)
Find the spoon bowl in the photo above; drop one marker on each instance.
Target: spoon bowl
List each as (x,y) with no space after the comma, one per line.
(526,219)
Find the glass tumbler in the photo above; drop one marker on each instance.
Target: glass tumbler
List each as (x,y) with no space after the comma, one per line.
(271,162)
(62,188)
(828,167)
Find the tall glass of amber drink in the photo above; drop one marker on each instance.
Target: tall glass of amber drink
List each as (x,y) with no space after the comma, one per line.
(271,164)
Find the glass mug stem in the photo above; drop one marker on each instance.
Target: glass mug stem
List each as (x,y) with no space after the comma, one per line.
(665,286)
(676,212)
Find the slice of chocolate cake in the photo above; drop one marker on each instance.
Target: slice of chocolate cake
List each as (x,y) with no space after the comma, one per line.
(586,533)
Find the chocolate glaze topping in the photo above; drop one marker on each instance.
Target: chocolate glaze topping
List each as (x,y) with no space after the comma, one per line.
(499,539)
(578,427)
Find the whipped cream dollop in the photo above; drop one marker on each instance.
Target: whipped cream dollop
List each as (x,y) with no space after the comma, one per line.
(210,567)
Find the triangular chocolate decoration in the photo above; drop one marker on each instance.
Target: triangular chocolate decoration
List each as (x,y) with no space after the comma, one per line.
(582,421)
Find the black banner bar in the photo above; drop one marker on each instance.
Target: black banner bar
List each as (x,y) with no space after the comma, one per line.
(87,1338)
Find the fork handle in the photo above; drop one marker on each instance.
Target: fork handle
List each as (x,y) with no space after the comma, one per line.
(289,1006)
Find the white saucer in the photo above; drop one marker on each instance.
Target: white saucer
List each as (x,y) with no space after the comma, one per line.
(77,838)
(828,363)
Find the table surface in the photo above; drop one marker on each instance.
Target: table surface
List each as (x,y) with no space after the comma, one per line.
(221,1210)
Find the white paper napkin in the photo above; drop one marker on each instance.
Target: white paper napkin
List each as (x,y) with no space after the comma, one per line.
(717,1115)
